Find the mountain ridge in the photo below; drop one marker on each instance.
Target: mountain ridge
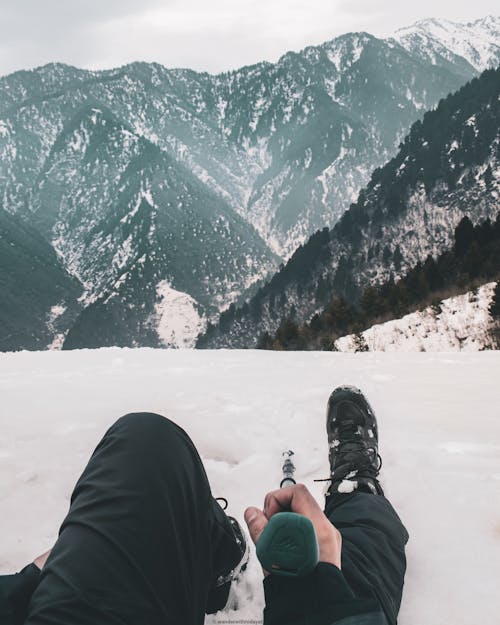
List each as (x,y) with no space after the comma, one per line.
(281,149)
(81,77)
(487,19)
(447,167)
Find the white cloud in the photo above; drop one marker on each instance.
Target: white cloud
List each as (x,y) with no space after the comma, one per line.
(212,36)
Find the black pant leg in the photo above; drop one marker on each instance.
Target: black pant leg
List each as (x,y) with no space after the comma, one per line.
(373,547)
(143,539)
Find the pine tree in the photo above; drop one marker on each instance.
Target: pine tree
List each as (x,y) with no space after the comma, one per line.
(265,341)
(464,235)
(488,177)
(495,315)
(371,304)
(360,344)
(338,316)
(495,303)
(386,255)
(397,258)
(288,334)
(473,260)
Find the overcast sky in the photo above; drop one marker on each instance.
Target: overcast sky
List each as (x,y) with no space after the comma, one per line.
(211,35)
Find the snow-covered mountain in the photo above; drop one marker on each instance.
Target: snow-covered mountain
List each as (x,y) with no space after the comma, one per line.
(455,324)
(129,219)
(327,117)
(440,41)
(287,145)
(257,160)
(447,167)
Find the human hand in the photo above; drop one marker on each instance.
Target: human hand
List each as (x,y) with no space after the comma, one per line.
(298,499)
(41,560)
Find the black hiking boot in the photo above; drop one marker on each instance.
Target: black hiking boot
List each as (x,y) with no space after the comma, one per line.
(219,595)
(353,441)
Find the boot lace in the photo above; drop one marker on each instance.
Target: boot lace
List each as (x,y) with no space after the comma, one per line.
(349,442)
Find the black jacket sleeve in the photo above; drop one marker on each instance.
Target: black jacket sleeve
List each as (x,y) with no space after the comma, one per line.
(15,594)
(322,598)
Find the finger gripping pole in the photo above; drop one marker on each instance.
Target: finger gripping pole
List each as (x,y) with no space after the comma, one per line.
(288,545)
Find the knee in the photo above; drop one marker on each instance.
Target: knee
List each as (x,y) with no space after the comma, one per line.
(148,426)
(139,421)
(155,445)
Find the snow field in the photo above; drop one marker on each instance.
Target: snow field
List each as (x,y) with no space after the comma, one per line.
(439,439)
(461,323)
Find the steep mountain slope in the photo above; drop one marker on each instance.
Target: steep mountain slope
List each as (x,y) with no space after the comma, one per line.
(38,299)
(327,117)
(127,218)
(287,145)
(472,261)
(447,167)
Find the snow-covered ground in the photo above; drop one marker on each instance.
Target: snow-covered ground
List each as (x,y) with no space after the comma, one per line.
(440,440)
(458,323)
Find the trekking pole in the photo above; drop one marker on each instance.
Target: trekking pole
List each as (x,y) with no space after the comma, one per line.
(288,469)
(288,545)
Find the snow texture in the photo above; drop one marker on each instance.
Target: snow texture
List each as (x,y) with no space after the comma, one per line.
(439,439)
(178,320)
(457,323)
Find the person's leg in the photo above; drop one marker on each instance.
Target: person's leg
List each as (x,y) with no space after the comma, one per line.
(143,539)
(373,547)
(373,537)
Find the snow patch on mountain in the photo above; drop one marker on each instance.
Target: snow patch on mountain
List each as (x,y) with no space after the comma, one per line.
(55,312)
(457,323)
(263,210)
(145,194)
(257,152)
(343,53)
(79,140)
(178,321)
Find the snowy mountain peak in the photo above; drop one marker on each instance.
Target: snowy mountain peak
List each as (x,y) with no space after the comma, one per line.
(429,23)
(477,42)
(489,21)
